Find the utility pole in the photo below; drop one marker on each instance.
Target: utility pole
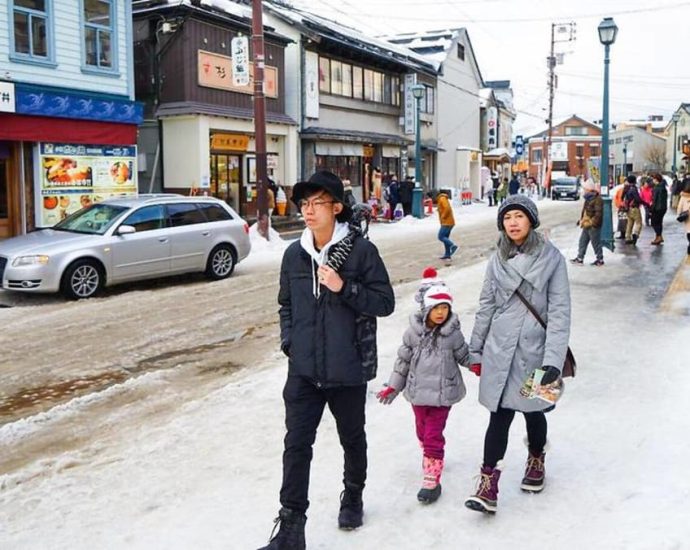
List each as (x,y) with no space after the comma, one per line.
(551,62)
(260,118)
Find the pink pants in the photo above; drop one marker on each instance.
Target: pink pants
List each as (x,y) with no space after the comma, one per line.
(430,423)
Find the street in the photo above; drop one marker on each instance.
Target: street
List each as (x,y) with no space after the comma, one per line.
(144,406)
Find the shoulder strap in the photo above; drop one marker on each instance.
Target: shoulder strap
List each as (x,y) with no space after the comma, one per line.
(531,308)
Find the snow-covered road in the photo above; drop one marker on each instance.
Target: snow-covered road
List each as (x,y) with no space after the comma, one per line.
(206,474)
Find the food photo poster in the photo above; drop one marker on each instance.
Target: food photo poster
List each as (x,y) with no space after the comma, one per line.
(72,177)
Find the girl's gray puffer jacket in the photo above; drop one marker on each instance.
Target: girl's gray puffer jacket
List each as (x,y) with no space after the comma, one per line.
(507,340)
(427,363)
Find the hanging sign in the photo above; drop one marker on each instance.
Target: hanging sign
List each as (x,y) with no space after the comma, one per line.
(240,60)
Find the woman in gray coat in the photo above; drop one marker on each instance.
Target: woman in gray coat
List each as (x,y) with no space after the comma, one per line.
(508,344)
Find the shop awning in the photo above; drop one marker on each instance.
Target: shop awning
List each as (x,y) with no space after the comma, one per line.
(332,134)
(339,149)
(39,128)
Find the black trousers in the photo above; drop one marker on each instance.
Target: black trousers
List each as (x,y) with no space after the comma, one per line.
(304,406)
(658,222)
(496,438)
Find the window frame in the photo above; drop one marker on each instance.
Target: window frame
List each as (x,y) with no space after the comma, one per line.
(113,70)
(30,58)
(324,75)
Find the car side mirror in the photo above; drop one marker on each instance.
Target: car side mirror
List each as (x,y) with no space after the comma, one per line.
(126,230)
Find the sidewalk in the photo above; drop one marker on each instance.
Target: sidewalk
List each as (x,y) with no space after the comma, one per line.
(208,477)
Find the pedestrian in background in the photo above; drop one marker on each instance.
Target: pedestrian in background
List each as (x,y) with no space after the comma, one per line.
(590,222)
(427,369)
(632,201)
(514,185)
(405,190)
(328,333)
(676,190)
(492,190)
(508,344)
(447,219)
(659,207)
(646,191)
(502,191)
(684,206)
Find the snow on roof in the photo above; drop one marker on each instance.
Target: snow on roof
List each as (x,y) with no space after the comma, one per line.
(228,6)
(433,45)
(351,34)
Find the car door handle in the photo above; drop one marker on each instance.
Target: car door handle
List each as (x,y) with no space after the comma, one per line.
(205,233)
(163,239)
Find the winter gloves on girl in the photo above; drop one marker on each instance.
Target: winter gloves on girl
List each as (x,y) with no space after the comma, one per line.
(386,395)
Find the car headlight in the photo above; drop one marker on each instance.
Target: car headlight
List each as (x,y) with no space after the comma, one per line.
(30,260)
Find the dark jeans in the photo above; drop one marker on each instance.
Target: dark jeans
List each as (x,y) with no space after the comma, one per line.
(496,439)
(688,236)
(304,406)
(593,235)
(658,222)
(443,236)
(492,197)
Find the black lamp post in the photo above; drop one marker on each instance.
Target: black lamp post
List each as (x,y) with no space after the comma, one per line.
(417,212)
(675,118)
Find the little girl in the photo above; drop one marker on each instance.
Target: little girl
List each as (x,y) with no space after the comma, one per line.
(427,368)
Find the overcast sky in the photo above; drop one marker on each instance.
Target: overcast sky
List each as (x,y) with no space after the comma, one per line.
(650,67)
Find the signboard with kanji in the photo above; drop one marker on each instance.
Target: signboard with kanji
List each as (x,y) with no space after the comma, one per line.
(215,71)
(7,100)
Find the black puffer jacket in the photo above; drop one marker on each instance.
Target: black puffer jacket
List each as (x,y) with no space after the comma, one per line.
(332,339)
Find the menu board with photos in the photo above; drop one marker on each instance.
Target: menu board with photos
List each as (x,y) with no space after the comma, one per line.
(75,176)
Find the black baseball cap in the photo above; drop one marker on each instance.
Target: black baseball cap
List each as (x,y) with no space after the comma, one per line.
(326,181)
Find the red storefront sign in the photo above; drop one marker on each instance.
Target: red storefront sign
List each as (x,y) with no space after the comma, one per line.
(65,130)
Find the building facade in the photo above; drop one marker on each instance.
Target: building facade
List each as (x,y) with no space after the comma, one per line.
(68,122)
(198,136)
(574,142)
(677,135)
(635,150)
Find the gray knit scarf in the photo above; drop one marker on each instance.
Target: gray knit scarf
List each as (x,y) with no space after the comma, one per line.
(507,249)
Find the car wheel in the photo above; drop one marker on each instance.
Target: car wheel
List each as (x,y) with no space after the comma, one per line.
(82,279)
(221,262)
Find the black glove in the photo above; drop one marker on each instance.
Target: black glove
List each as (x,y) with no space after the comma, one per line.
(551,374)
(285,348)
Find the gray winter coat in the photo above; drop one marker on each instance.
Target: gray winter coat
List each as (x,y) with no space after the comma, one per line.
(507,340)
(427,363)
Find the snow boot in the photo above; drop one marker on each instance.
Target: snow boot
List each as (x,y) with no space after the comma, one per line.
(486,498)
(290,536)
(533,482)
(634,239)
(657,240)
(351,507)
(431,486)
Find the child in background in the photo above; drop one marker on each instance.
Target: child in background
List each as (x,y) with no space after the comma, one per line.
(427,369)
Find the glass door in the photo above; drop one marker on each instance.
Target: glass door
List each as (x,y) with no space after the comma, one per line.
(4,201)
(226,179)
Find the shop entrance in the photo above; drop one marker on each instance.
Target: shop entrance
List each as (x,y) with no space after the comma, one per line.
(226,178)
(4,200)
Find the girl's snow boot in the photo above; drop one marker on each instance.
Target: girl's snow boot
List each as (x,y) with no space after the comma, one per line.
(431,486)
(351,507)
(486,498)
(533,482)
(290,536)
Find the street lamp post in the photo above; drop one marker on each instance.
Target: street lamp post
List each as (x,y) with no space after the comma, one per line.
(417,212)
(625,161)
(607,36)
(675,118)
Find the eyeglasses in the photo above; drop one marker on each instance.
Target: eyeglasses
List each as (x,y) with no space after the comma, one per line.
(317,203)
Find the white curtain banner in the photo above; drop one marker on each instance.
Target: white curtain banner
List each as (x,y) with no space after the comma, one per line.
(311,84)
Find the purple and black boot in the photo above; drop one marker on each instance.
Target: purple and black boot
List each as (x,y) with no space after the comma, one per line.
(533,482)
(486,498)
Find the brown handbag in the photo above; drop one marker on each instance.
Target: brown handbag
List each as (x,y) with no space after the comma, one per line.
(569,365)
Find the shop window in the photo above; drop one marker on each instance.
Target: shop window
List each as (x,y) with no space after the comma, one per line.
(368,85)
(345,167)
(31,31)
(357,82)
(336,77)
(395,91)
(347,80)
(325,75)
(98,31)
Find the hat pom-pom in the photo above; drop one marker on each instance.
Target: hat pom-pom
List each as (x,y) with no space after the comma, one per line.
(430,273)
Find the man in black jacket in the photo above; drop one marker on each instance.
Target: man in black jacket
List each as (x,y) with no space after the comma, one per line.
(328,332)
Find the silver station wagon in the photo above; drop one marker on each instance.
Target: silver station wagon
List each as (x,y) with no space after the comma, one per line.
(123,240)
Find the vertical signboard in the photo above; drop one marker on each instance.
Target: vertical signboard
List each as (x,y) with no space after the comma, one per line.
(491,128)
(410,106)
(311,84)
(7,100)
(75,176)
(240,60)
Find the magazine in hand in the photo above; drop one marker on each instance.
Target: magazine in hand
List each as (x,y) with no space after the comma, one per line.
(533,389)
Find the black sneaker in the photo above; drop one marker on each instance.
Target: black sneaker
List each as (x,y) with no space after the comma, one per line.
(429,496)
(598,263)
(351,508)
(576,261)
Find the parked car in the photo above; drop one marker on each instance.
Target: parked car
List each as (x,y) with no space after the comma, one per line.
(123,240)
(565,187)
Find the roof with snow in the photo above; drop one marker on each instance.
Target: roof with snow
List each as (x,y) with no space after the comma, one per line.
(352,38)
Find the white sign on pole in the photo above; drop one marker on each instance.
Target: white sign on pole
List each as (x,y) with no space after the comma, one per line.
(311,84)
(559,151)
(410,105)
(7,98)
(239,47)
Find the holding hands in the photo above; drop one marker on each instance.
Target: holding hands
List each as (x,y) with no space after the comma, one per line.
(476,368)
(387,395)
